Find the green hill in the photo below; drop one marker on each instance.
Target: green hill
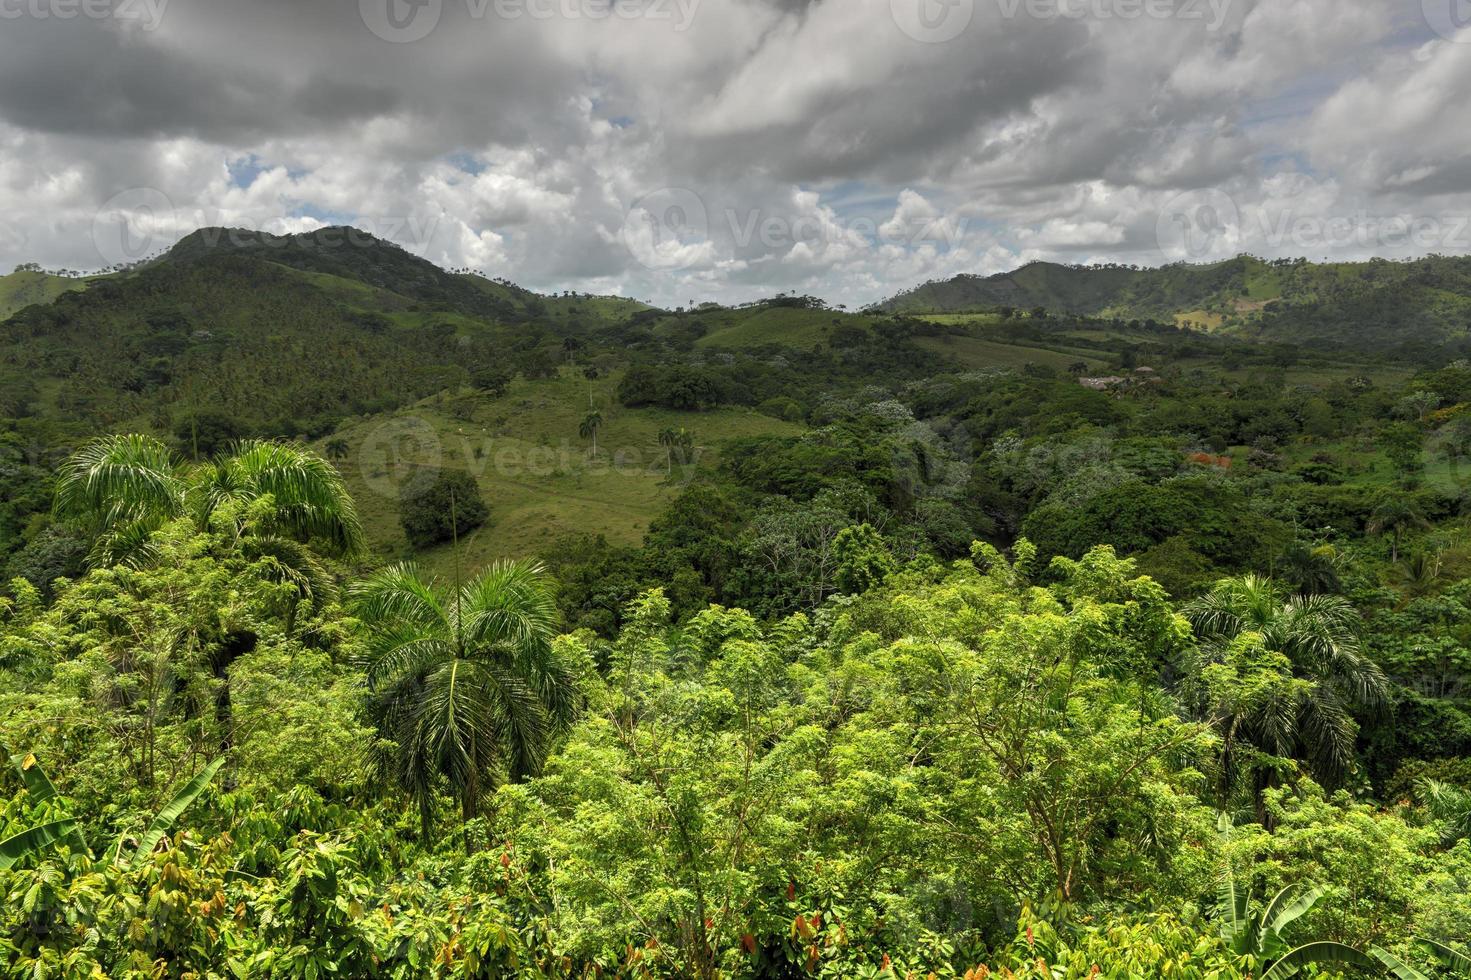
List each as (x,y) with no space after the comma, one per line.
(1401,309)
(24,288)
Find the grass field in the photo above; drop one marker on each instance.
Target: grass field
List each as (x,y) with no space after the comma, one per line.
(758,326)
(975,353)
(535,472)
(21,289)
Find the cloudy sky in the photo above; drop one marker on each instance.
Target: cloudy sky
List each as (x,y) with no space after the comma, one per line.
(684,150)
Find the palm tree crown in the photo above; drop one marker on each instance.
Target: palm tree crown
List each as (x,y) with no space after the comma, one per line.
(589,428)
(465,681)
(1317,636)
(123,487)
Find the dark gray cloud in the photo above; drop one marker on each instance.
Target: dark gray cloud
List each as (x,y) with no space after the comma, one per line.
(522,135)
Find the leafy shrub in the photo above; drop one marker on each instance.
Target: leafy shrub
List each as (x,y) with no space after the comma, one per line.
(425,507)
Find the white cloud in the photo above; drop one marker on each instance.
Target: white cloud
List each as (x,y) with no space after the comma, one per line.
(829,151)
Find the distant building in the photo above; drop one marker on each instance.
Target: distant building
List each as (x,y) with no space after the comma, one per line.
(1101,384)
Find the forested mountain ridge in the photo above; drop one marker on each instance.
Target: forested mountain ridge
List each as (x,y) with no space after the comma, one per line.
(1400,309)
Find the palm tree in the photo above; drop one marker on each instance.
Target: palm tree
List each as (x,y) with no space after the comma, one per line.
(589,429)
(337,449)
(668,438)
(122,488)
(1314,569)
(465,682)
(1309,721)
(1395,514)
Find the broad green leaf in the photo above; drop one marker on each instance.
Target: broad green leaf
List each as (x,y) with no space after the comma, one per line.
(1395,965)
(1289,905)
(37,838)
(1449,958)
(1329,953)
(36,782)
(166,817)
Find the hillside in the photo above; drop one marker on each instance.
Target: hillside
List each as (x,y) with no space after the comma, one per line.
(24,288)
(1403,309)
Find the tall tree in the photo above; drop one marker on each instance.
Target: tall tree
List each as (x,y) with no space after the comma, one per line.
(465,681)
(591,423)
(122,488)
(1395,514)
(1311,641)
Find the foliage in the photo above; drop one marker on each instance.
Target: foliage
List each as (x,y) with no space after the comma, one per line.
(439,506)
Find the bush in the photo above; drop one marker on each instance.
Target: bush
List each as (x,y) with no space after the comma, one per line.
(425,507)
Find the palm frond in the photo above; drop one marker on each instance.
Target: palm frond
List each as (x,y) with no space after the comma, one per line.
(397,595)
(311,500)
(509,602)
(118,479)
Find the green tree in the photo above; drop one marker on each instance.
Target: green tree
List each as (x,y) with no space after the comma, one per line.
(591,423)
(1395,514)
(123,488)
(464,682)
(863,560)
(448,506)
(1289,674)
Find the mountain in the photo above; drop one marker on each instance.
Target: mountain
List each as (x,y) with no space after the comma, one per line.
(1409,310)
(282,335)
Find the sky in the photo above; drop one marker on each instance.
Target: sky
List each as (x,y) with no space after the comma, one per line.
(727,150)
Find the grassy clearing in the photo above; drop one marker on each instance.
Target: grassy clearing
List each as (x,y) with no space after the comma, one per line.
(21,289)
(760,326)
(975,354)
(534,470)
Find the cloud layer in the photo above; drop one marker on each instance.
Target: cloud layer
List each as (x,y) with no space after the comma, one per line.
(685,150)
